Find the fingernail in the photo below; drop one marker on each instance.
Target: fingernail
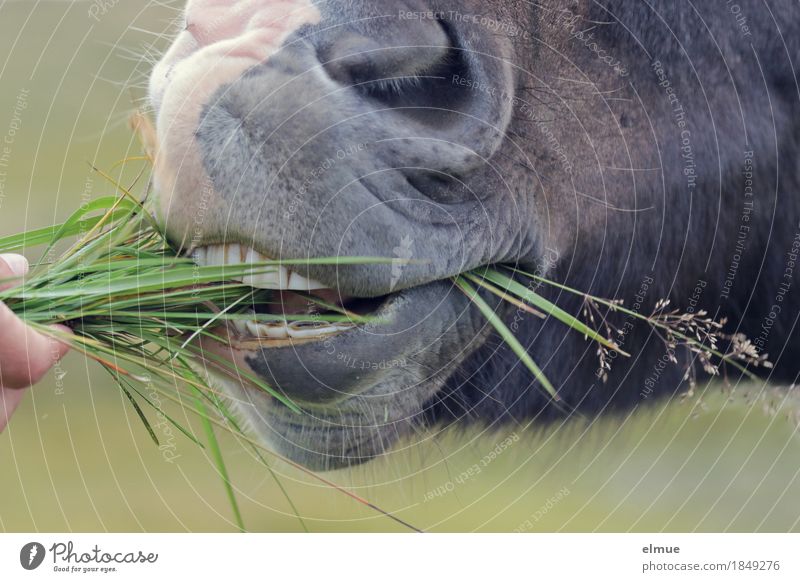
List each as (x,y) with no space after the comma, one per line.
(17,263)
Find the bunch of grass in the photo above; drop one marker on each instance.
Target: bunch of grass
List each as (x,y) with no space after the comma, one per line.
(135,306)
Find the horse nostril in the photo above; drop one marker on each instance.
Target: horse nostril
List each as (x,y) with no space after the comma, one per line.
(353,59)
(411,70)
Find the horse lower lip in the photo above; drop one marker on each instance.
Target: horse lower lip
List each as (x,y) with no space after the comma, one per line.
(325,372)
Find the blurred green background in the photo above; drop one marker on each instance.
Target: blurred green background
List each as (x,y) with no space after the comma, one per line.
(76,458)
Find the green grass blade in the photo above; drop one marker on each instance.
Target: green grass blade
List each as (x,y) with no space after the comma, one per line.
(231,419)
(43,236)
(507,336)
(219,461)
(504,296)
(171,420)
(509,285)
(135,405)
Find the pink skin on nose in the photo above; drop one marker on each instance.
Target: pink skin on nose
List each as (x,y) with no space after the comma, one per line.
(222,39)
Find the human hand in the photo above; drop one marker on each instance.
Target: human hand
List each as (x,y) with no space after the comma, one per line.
(25,355)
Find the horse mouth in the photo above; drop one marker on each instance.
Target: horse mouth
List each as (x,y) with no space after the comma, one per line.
(312,343)
(301,307)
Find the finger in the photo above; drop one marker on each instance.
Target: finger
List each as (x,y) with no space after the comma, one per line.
(9,401)
(12,267)
(25,355)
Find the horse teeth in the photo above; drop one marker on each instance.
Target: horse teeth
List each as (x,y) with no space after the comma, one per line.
(300,283)
(302,330)
(294,330)
(199,256)
(282,330)
(252,256)
(268,330)
(212,258)
(240,326)
(277,279)
(233,255)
